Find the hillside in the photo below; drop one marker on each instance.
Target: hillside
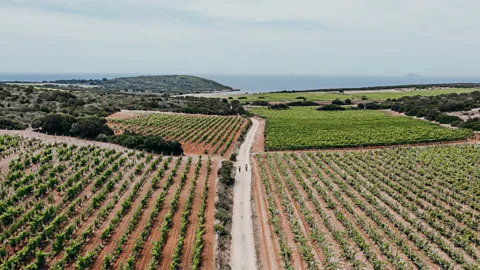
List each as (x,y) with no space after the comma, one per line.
(172,84)
(24,104)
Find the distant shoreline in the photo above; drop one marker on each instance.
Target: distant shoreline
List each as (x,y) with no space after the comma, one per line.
(271,83)
(373,89)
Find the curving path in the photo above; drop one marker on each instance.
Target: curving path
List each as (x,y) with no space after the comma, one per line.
(243,246)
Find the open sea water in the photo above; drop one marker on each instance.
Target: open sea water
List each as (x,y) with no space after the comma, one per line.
(265,83)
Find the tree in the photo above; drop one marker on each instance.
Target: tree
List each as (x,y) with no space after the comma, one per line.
(10,124)
(54,123)
(90,127)
(348,101)
(237,107)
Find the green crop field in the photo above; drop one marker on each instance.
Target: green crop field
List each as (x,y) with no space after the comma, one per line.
(325,96)
(69,207)
(307,128)
(385,209)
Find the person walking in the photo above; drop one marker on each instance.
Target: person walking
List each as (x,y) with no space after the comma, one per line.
(239,168)
(246,167)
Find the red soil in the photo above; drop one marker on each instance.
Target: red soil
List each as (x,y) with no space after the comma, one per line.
(172,238)
(208,258)
(187,251)
(128,247)
(145,255)
(95,240)
(297,261)
(189,147)
(268,247)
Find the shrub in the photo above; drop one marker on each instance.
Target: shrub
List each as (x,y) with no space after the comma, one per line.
(412,112)
(154,143)
(331,107)
(279,107)
(384,106)
(361,106)
(233,157)
(220,230)
(432,114)
(456,123)
(260,103)
(422,113)
(348,101)
(444,118)
(372,106)
(223,216)
(55,123)
(10,124)
(242,97)
(473,123)
(226,173)
(102,138)
(338,102)
(302,103)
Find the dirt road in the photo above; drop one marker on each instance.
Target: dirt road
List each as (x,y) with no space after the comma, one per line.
(243,246)
(61,139)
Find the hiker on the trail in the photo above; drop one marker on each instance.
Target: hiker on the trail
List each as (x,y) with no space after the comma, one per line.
(239,168)
(246,167)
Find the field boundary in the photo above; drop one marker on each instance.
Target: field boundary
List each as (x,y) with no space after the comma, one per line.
(376,147)
(30,134)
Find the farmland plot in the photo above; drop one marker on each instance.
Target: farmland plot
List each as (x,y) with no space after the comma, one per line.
(402,208)
(198,134)
(307,128)
(353,95)
(64,207)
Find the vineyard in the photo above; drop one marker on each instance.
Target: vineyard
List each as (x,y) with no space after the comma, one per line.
(307,128)
(199,134)
(64,206)
(402,208)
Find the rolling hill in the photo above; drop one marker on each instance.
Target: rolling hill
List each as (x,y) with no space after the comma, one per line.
(172,84)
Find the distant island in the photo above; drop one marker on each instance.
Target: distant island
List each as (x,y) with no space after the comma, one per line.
(412,75)
(170,84)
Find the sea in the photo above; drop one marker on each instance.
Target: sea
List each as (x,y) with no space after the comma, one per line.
(264,83)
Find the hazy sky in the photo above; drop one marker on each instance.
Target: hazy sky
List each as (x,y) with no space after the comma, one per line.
(334,37)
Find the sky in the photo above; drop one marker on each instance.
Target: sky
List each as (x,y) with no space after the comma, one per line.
(314,37)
